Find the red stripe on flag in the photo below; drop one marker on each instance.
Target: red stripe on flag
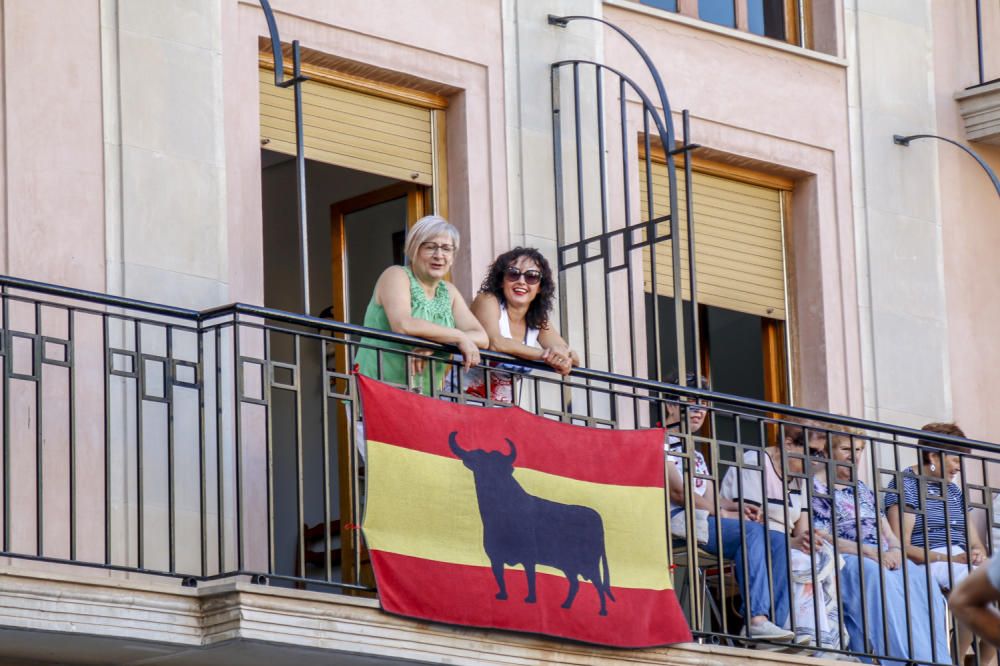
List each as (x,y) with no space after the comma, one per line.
(466,595)
(619,457)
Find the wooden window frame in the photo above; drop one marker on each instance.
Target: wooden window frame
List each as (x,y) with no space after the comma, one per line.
(742,12)
(417,204)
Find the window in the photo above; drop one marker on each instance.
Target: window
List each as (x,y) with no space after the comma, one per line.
(667,5)
(777,19)
(722,12)
(740,272)
(768,18)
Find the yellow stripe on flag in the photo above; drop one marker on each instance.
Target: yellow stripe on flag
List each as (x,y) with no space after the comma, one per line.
(428,509)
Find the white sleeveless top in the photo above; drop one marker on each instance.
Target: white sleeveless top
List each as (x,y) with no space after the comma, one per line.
(502,388)
(530,338)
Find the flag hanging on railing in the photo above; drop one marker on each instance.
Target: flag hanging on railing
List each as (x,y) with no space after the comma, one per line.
(497,518)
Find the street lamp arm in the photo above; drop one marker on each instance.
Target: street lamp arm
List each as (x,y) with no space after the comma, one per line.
(900,140)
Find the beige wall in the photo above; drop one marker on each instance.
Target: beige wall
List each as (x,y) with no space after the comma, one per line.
(52,179)
(970,221)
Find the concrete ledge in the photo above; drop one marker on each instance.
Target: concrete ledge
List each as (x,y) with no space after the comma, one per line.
(48,617)
(980,109)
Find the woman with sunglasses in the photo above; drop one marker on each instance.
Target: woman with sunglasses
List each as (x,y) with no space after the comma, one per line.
(513,305)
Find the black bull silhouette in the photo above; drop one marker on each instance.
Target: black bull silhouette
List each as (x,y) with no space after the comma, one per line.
(519,528)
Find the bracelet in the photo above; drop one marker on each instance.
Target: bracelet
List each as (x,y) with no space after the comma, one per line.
(892,548)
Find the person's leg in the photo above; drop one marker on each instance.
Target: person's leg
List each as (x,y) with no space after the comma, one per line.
(862,618)
(756,583)
(777,542)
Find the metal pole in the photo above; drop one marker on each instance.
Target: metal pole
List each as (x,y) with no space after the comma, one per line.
(979,40)
(300,161)
(900,140)
(300,177)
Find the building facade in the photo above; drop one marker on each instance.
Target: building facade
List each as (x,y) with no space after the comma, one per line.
(149,155)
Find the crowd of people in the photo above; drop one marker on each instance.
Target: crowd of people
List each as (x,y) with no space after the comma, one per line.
(821,560)
(861,573)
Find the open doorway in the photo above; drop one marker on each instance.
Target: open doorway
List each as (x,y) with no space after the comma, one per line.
(357,225)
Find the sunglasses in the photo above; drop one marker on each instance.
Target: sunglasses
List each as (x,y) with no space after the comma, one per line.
(531,277)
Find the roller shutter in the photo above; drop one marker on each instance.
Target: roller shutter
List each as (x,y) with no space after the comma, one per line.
(738,243)
(349,129)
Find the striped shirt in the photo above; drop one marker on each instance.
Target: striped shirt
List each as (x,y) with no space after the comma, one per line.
(935,534)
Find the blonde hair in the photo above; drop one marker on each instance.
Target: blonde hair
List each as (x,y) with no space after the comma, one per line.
(426,228)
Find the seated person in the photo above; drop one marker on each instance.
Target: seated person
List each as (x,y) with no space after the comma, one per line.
(908,610)
(811,557)
(727,519)
(927,542)
(514,305)
(416,300)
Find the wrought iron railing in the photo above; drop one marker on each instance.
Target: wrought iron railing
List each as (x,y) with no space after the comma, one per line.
(987,57)
(200,445)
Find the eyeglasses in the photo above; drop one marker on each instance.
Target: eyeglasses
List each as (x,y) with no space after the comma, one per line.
(530,276)
(432,249)
(699,405)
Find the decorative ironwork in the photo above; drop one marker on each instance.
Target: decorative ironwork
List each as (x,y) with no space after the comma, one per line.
(300,160)
(904,141)
(614,248)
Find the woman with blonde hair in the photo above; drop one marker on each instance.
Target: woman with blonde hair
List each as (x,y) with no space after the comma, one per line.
(887,604)
(416,300)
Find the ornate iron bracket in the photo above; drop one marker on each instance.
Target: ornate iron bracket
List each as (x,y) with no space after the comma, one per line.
(901,140)
(294,82)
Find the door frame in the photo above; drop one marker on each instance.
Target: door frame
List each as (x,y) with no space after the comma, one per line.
(353,568)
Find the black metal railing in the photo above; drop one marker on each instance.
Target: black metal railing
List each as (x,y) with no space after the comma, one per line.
(611,263)
(987,57)
(200,445)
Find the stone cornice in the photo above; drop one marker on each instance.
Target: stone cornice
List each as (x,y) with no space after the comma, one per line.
(232,612)
(980,109)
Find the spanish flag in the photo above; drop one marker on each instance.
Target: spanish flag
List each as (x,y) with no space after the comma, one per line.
(497,518)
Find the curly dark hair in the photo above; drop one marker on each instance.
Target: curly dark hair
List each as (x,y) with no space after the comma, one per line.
(541,306)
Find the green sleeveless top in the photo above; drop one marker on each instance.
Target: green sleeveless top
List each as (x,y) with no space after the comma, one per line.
(436,310)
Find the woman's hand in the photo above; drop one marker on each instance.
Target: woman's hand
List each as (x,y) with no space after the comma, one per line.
(559,359)
(978,555)
(469,350)
(419,362)
(808,541)
(891,559)
(956,558)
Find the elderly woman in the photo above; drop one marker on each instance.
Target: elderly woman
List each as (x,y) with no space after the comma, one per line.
(908,612)
(513,305)
(724,517)
(416,300)
(811,559)
(926,535)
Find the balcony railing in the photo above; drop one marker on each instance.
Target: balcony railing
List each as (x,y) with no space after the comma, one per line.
(201,445)
(988,57)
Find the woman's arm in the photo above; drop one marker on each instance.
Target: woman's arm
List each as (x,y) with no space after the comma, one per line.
(803,538)
(892,558)
(465,321)
(904,528)
(675,486)
(392,292)
(486,310)
(549,338)
(977,551)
